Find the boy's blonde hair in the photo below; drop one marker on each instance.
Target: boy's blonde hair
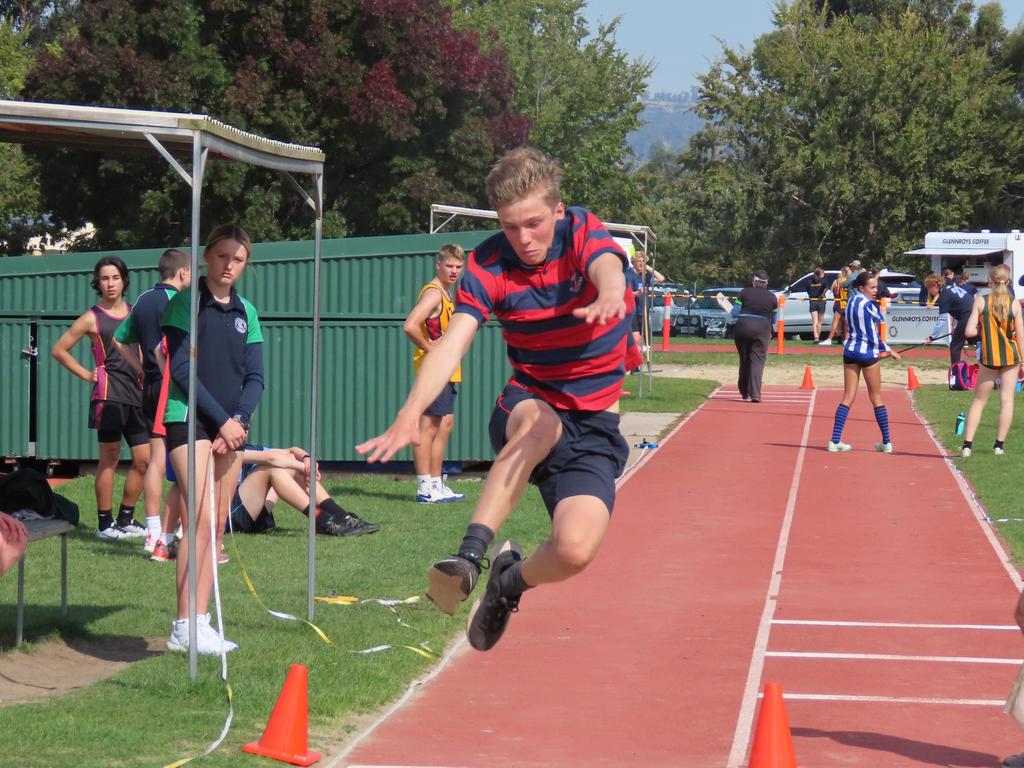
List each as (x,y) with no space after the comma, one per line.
(522,172)
(451,251)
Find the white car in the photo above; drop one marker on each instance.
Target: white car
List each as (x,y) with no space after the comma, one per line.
(796,312)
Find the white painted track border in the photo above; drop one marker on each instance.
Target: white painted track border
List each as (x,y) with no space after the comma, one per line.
(745,721)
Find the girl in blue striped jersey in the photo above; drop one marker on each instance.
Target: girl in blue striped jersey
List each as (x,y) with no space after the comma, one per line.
(864,348)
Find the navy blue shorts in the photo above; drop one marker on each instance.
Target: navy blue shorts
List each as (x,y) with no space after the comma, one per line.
(444,405)
(242,522)
(586,460)
(862,362)
(177,433)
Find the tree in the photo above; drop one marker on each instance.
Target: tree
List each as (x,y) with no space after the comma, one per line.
(580,91)
(407,108)
(829,141)
(21,212)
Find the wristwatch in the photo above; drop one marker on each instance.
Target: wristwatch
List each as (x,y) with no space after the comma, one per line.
(241,420)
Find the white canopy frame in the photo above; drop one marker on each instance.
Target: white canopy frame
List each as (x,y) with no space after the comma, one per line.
(642,234)
(174,136)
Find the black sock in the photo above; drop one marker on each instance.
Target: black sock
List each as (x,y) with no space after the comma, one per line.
(105,519)
(999,444)
(510,580)
(968,443)
(331,511)
(476,541)
(125,515)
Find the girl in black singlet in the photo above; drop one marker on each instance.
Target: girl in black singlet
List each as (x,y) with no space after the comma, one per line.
(115,411)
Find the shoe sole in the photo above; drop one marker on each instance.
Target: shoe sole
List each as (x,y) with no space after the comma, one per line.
(445,590)
(505,546)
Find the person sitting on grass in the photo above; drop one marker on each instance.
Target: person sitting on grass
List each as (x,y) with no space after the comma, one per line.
(269,474)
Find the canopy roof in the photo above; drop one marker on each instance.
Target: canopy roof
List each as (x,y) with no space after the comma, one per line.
(105,128)
(954,251)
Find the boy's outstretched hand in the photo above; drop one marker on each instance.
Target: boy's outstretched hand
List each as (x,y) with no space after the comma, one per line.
(403,431)
(603,310)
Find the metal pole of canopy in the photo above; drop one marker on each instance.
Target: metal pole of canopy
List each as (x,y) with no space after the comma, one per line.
(314,387)
(198,161)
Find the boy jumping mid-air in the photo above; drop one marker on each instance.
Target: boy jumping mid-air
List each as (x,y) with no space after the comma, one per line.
(555,279)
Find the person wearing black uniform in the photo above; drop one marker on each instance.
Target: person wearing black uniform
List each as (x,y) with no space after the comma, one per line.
(115,411)
(229,384)
(816,294)
(755,309)
(142,327)
(957,302)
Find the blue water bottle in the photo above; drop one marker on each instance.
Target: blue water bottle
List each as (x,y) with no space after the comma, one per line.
(960,423)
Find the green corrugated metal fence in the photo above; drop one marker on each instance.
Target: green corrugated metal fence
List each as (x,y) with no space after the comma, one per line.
(14,392)
(368,286)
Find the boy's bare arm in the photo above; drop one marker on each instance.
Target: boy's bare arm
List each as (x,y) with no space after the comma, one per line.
(61,352)
(425,308)
(607,275)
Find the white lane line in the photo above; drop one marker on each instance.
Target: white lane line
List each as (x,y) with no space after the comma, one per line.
(891,657)
(979,513)
(893,699)
(893,625)
(746,717)
(459,644)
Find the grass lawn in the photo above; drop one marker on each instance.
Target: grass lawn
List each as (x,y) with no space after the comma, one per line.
(665,395)
(994,478)
(151,714)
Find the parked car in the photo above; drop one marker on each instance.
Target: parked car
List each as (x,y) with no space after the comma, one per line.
(796,311)
(702,316)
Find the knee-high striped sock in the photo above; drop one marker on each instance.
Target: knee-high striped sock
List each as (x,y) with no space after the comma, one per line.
(837,428)
(882,417)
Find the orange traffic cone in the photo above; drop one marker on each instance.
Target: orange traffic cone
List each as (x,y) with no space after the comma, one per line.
(912,382)
(773,743)
(808,380)
(285,737)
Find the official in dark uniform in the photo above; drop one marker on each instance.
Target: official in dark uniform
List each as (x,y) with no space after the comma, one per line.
(755,311)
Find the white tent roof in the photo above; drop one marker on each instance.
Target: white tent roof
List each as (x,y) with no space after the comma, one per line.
(105,128)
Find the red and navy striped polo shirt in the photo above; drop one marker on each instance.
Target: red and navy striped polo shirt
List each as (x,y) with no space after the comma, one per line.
(569,364)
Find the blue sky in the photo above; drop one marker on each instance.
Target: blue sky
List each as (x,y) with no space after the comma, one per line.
(682,36)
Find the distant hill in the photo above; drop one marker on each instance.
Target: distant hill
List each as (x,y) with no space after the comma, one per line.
(669,121)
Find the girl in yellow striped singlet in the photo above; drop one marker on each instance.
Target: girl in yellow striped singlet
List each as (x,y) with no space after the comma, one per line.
(997,319)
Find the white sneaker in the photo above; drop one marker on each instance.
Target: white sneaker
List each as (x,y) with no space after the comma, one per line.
(997,451)
(838,447)
(151,540)
(112,532)
(965,453)
(825,343)
(432,496)
(450,495)
(883,447)
(208,641)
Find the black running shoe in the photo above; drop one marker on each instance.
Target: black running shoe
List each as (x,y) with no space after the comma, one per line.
(490,614)
(451,581)
(350,525)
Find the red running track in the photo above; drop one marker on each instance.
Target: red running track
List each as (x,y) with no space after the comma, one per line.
(737,552)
